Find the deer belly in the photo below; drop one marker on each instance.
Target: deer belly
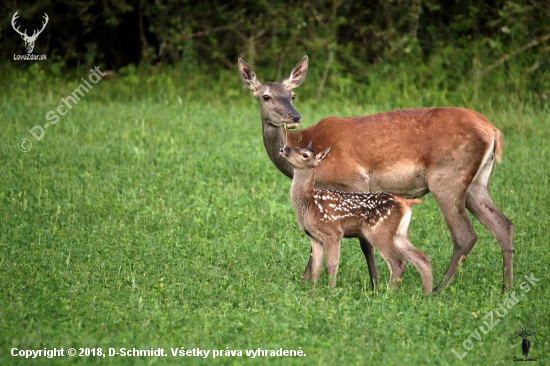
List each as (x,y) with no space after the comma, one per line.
(346,180)
(406,181)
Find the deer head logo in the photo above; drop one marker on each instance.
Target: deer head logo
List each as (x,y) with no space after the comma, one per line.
(525,343)
(29,40)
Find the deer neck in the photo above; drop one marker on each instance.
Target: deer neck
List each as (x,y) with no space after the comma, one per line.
(274,139)
(301,191)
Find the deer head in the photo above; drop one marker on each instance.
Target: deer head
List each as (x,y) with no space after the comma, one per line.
(29,40)
(303,157)
(276,99)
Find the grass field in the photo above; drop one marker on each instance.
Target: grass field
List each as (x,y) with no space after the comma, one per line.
(156,219)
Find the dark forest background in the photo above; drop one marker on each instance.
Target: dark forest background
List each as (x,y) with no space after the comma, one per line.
(349,41)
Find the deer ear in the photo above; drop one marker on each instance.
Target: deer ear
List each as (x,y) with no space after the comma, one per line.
(309,144)
(248,76)
(298,74)
(322,155)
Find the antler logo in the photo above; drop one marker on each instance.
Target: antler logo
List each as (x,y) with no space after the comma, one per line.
(525,343)
(29,40)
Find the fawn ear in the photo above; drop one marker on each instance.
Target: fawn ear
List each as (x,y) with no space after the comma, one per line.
(322,155)
(297,75)
(248,76)
(309,144)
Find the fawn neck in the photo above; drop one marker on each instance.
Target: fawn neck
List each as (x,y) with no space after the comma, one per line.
(301,191)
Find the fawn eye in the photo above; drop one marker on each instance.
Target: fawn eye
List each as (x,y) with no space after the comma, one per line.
(266,97)
(305,155)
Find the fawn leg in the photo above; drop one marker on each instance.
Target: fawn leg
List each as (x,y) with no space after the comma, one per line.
(383,242)
(333,258)
(418,259)
(317,252)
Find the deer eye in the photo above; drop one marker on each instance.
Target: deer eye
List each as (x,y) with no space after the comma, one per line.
(305,155)
(293,97)
(266,97)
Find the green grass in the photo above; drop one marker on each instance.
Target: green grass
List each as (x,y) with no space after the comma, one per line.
(156,220)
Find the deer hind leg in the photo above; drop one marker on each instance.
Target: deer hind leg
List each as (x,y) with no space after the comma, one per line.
(417,258)
(368,252)
(450,194)
(396,265)
(411,254)
(479,203)
(383,242)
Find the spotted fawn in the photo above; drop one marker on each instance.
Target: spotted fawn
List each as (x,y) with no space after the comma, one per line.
(327,216)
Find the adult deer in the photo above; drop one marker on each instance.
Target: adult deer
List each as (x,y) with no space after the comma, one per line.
(447,151)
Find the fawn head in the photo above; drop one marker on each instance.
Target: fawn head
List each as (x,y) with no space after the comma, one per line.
(303,157)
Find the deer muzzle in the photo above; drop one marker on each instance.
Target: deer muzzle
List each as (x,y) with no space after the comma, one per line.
(293,120)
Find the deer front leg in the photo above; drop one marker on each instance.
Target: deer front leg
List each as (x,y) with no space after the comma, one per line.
(307,272)
(463,235)
(368,252)
(316,259)
(333,259)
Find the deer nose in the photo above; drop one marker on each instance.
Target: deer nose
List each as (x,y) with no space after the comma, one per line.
(295,116)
